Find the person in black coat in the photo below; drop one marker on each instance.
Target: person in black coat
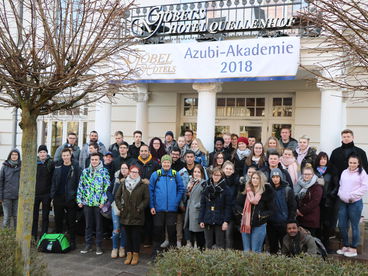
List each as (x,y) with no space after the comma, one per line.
(339,156)
(328,178)
(273,163)
(215,212)
(64,188)
(285,210)
(124,156)
(256,204)
(147,165)
(45,170)
(177,163)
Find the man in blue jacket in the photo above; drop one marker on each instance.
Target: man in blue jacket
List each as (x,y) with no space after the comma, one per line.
(166,191)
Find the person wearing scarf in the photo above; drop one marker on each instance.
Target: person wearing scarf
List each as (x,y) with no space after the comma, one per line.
(215,211)
(305,153)
(288,162)
(308,195)
(91,196)
(131,199)
(240,155)
(257,202)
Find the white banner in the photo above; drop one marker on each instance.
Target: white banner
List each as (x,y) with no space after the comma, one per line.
(232,60)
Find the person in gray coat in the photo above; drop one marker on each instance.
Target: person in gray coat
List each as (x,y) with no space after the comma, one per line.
(191,220)
(9,187)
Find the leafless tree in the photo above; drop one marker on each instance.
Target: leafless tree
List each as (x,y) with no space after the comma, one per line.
(56,55)
(343,26)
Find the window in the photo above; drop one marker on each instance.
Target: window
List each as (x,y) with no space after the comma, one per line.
(282,107)
(240,107)
(190,107)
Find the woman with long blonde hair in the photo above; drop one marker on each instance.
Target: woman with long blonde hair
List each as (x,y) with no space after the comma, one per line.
(200,152)
(272,144)
(257,202)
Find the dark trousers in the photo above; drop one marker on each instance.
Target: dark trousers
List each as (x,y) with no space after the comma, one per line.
(160,221)
(148,226)
(199,238)
(133,237)
(214,230)
(45,200)
(64,208)
(93,224)
(275,234)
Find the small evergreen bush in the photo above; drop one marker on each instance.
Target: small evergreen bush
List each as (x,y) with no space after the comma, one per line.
(8,265)
(192,262)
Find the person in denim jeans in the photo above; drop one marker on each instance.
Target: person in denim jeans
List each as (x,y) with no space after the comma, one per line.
(258,202)
(118,232)
(353,186)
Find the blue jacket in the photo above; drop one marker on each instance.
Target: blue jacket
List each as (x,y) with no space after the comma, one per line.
(166,191)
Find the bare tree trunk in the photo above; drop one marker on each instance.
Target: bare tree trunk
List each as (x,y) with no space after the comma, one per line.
(26,189)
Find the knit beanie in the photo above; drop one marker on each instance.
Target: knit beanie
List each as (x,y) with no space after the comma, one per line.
(169,133)
(243,140)
(166,157)
(277,172)
(42,147)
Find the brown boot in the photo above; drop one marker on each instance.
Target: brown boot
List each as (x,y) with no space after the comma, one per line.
(135,258)
(128,258)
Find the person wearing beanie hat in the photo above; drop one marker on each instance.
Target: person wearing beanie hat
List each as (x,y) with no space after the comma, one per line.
(45,171)
(240,155)
(166,157)
(169,143)
(284,210)
(42,148)
(166,191)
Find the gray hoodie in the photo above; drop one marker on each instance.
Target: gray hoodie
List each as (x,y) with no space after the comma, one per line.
(9,178)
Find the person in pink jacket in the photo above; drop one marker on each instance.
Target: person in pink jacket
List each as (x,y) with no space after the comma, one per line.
(353,186)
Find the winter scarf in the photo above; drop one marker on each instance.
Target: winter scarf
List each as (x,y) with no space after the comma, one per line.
(251,198)
(291,166)
(243,153)
(192,183)
(301,187)
(256,159)
(131,183)
(322,170)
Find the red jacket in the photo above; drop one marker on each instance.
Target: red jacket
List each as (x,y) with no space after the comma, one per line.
(309,207)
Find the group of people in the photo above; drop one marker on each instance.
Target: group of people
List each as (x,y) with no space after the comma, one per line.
(173,192)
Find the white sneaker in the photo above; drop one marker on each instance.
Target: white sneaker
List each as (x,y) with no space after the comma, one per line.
(352,252)
(343,250)
(189,244)
(165,244)
(178,244)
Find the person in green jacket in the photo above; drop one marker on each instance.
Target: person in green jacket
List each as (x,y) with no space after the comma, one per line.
(92,196)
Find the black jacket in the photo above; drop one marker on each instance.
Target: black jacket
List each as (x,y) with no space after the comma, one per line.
(45,170)
(114,149)
(9,180)
(330,186)
(238,164)
(232,182)
(285,204)
(134,151)
(339,157)
(146,170)
(178,165)
(215,203)
(310,157)
(72,181)
(260,212)
(129,160)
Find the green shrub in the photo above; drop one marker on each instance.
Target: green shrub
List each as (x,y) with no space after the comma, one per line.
(8,265)
(187,261)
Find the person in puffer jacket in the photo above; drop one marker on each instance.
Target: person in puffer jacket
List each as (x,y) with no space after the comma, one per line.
(166,191)
(92,195)
(353,186)
(9,187)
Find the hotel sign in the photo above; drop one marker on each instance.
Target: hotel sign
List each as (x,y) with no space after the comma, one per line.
(160,21)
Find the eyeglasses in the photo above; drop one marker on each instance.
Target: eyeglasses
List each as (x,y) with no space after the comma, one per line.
(134,171)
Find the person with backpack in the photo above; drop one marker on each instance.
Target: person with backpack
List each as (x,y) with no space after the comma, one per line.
(9,187)
(45,170)
(166,191)
(297,241)
(284,210)
(91,196)
(63,193)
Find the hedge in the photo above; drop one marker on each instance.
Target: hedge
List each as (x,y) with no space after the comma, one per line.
(189,261)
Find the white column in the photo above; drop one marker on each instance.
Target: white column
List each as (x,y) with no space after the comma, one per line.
(331,118)
(103,121)
(142,109)
(206,115)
